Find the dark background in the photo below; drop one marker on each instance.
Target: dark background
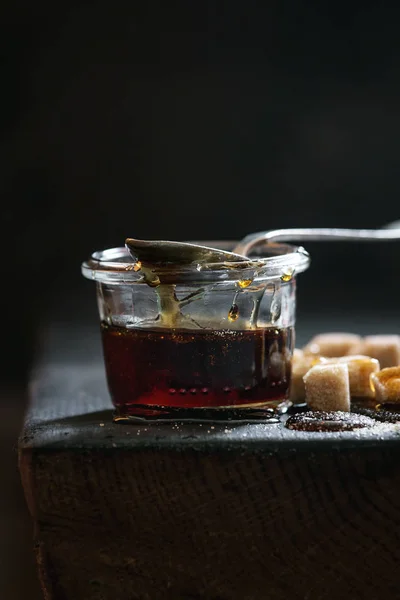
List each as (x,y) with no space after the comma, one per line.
(190,120)
(187,120)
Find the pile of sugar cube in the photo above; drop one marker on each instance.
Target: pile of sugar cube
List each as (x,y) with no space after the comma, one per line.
(333,368)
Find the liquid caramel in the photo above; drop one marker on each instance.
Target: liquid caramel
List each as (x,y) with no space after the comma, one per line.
(166,368)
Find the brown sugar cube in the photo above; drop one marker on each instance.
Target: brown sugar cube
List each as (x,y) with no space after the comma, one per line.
(387,385)
(327,387)
(301,363)
(360,371)
(334,344)
(385,348)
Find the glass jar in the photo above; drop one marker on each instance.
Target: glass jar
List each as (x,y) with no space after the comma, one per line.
(210,342)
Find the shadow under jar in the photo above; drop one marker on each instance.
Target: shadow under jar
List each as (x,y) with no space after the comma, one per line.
(211,341)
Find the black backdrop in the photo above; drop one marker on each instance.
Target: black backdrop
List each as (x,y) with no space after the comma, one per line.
(194,120)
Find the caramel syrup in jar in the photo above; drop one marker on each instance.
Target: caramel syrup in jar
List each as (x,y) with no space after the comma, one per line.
(150,371)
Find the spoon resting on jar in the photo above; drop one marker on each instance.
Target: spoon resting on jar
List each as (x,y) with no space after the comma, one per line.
(160,251)
(152,255)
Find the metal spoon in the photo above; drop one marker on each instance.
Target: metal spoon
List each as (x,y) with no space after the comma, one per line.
(252,240)
(157,251)
(150,252)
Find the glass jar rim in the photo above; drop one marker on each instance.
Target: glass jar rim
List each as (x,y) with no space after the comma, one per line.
(273,261)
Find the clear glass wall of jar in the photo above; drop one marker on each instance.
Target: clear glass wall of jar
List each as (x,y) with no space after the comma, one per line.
(211,341)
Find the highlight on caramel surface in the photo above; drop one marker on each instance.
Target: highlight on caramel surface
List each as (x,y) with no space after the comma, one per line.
(387,385)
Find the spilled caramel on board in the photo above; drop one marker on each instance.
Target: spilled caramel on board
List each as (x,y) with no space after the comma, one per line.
(328,421)
(385,414)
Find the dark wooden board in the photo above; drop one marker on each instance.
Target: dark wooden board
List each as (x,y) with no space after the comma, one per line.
(70,409)
(202,511)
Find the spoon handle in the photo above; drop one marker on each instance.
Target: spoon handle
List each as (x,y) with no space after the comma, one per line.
(315,235)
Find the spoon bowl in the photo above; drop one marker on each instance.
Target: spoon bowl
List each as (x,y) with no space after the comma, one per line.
(179,253)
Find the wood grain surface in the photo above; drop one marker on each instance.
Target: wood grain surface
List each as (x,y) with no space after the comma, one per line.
(18,577)
(202,511)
